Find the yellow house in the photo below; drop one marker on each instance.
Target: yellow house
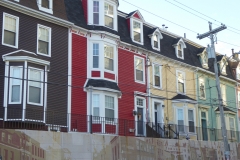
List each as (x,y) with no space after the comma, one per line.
(172,89)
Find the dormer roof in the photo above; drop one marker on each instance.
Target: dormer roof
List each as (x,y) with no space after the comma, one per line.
(152,31)
(136,14)
(179,40)
(201,50)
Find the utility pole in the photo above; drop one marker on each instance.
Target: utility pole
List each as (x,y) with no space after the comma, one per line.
(212,54)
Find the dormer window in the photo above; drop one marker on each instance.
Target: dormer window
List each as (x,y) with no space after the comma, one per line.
(102,13)
(155,36)
(137,31)
(179,48)
(45,5)
(222,65)
(238,73)
(203,57)
(108,15)
(180,52)
(135,23)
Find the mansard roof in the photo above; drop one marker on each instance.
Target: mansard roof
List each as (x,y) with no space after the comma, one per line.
(75,14)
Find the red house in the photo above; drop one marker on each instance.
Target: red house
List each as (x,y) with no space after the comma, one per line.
(109,84)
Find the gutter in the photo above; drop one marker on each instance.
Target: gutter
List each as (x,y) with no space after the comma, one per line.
(35,13)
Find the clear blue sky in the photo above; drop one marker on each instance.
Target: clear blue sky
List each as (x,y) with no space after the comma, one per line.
(225,11)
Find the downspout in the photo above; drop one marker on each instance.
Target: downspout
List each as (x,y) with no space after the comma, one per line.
(148,62)
(196,89)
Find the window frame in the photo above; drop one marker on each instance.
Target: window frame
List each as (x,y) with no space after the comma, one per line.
(108,118)
(184,79)
(50,10)
(95,55)
(49,40)
(42,86)
(96,12)
(202,80)
(238,72)
(180,44)
(223,67)
(109,4)
(17,30)
(177,118)
(141,31)
(158,41)
(160,75)
(138,81)
(109,45)
(234,128)
(10,85)
(191,120)
(223,93)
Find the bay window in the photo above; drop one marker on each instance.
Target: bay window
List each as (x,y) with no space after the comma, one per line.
(109,57)
(35,86)
(44,41)
(15,91)
(96,12)
(180,120)
(95,55)
(10,30)
(108,15)
(232,126)
(191,121)
(109,107)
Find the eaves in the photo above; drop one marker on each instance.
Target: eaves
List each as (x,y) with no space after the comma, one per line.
(34,13)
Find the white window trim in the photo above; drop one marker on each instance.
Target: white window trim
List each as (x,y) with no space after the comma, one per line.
(204,54)
(184,78)
(194,119)
(223,67)
(114,58)
(159,39)
(10,84)
(144,114)
(176,48)
(160,70)
(131,30)
(142,82)
(17,30)
(199,82)
(182,49)
(42,88)
(184,119)
(50,10)
(49,41)
(102,13)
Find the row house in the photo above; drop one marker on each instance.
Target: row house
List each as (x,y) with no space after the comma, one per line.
(34,68)
(88,67)
(209,114)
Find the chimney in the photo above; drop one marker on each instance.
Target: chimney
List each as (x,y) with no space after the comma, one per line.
(163,26)
(232,51)
(185,35)
(166,28)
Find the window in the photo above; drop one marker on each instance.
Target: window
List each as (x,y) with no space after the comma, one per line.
(96,12)
(35,86)
(191,121)
(180,53)
(232,128)
(108,57)
(205,58)
(157,75)
(238,99)
(223,66)
(137,31)
(95,55)
(10,30)
(44,41)
(180,82)
(202,88)
(109,107)
(223,90)
(180,120)
(95,104)
(3,137)
(238,73)
(15,86)
(139,69)
(45,5)
(155,41)
(108,15)
(9,139)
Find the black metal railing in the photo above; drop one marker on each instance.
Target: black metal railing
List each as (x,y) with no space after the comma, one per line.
(36,119)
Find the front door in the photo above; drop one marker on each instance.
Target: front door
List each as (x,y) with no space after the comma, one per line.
(140,121)
(158,116)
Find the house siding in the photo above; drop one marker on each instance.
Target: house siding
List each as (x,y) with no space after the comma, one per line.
(57,76)
(85,9)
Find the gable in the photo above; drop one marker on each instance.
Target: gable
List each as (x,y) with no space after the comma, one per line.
(136,16)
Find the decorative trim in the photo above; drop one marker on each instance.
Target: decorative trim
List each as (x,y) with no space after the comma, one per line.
(25,58)
(140,93)
(21,50)
(69,78)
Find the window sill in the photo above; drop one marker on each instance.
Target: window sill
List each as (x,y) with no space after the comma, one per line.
(141,82)
(159,88)
(14,102)
(137,42)
(35,104)
(42,54)
(157,49)
(202,98)
(8,45)
(46,10)
(180,57)
(181,93)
